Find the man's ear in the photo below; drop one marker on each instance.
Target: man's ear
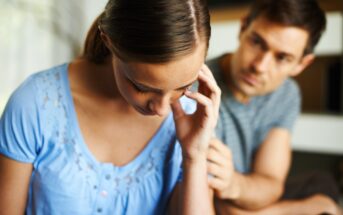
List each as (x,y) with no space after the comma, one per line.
(304,62)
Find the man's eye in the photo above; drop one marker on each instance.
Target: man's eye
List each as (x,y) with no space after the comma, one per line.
(255,41)
(282,58)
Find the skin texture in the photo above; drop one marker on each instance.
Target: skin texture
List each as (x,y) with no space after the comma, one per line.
(14,183)
(267,55)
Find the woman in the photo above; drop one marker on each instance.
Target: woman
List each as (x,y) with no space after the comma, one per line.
(108,132)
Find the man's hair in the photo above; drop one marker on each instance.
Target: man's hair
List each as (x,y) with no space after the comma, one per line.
(305,14)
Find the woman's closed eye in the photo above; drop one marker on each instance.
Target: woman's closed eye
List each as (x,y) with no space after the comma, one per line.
(139,89)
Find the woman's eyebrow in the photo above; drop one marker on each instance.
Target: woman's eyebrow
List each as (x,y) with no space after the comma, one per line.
(159,90)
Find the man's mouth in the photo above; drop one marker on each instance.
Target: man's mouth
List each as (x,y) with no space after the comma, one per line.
(250,79)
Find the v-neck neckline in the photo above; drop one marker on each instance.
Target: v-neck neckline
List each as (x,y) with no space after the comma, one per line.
(84,147)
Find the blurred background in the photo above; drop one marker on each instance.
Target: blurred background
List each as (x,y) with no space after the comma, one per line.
(37,34)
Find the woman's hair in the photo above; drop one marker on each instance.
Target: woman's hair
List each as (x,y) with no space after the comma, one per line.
(152,31)
(305,14)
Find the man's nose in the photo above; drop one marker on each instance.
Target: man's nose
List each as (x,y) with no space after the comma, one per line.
(263,62)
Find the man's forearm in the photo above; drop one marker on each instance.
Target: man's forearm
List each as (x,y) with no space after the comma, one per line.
(316,204)
(253,191)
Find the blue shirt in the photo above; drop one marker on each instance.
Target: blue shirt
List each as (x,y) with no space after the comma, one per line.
(39,126)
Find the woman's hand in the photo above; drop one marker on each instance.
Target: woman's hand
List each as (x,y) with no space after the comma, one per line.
(195,131)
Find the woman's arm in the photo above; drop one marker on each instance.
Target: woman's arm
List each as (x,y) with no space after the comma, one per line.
(176,200)
(195,194)
(14,185)
(194,133)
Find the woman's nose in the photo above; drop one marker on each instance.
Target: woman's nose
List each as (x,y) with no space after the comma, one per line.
(160,105)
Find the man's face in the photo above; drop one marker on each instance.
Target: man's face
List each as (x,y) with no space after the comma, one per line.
(267,55)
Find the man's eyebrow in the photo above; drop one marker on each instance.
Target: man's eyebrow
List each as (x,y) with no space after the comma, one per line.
(265,45)
(159,90)
(287,55)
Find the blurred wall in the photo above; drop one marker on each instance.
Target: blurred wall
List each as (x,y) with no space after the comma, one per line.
(36,34)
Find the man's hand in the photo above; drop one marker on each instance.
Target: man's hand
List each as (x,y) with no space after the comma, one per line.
(221,170)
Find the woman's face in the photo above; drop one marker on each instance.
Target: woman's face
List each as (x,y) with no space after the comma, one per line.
(151,88)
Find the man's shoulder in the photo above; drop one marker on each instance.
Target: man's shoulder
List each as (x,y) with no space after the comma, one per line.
(289,84)
(285,100)
(288,88)
(211,62)
(214,63)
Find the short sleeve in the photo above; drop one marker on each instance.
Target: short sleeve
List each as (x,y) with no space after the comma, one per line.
(20,124)
(288,108)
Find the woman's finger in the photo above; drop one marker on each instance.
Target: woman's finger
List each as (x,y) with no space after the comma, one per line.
(177,109)
(209,87)
(202,101)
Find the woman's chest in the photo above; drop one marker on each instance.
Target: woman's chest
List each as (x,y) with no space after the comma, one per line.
(113,135)
(117,140)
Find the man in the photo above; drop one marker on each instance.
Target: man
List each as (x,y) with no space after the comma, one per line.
(259,106)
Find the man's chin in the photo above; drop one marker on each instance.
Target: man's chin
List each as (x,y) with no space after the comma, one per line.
(248,91)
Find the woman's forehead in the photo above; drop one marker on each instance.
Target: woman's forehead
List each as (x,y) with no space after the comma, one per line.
(163,77)
(170,75)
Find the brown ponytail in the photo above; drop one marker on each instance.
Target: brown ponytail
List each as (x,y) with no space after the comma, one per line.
(94,48)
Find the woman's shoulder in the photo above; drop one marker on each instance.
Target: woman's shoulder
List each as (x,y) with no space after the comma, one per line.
(24,117)
(35,85)
(50,77)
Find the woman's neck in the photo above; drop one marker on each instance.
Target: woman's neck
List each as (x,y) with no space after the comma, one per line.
(94,79)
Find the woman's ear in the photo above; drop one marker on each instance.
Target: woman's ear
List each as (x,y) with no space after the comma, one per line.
(303,63)
(106,40)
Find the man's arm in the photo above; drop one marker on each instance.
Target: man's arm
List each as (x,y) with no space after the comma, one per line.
(264,185)
(315,204)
